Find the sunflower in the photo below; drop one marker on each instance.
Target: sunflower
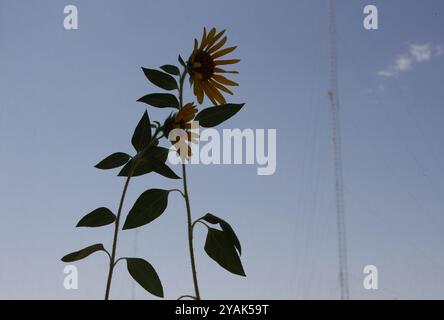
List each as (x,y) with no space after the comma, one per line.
(182,120)
(205,69)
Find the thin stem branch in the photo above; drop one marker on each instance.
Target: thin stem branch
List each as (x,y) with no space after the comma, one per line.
(107,253)
(119,213)
(187,202)
(180,191)
(200,221)
(115,263)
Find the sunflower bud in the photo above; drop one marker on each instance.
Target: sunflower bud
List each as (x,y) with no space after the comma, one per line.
(168,125)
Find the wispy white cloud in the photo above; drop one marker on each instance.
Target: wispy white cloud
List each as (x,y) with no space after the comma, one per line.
(416,53)
(403,63)
(421,53)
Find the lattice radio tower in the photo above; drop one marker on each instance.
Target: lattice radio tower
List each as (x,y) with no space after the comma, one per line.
(337,154)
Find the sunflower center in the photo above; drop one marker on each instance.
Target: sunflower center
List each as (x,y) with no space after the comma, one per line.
(203,64)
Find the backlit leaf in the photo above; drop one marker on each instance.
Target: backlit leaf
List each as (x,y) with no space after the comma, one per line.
(220,248)
(97,218)
(213,116)
(115,160)
(149,206)
(81,254)
(145,275)
(160,79)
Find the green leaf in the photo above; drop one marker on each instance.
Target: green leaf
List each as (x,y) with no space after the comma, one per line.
(142,134)
(153,160)
(169,68)
(145,275)
(97,218)
(160,79)
(232,235)
(219,247)
(181,61)
(115,160)
(162,169)
(149,206)
(160,100)
(213,116)
(79,255)
(159,153)
(210,218)
(225,226)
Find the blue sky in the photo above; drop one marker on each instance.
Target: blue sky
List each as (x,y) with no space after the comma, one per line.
(68,98)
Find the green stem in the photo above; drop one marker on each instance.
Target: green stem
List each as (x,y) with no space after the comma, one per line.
(112,262)
(116,233)
(187,203)
(190,232)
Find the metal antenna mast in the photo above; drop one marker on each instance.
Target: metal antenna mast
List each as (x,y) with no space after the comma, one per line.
(337,155)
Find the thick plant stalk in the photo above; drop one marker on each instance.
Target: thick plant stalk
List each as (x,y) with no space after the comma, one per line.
(187,203)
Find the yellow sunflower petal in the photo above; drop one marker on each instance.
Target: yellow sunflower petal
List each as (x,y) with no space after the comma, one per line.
(225,71)
(224,80)
(221,87)
(208,92)
(216,94)
(179,116)
(204,39)
(224,62)
(187,112)
(195,85)
(210,36)
(198,91)
(218,45)
(223,52)
(215,38)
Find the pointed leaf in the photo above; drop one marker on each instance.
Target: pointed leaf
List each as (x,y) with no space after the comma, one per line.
(232,235)
(97,218)
(115,160)
(160,100)
(145,275)
(213,116)
(160,79)
(156,152)
(149,206)
(225,226)
(169,68)
(162,169)
(81,254)
(220,248)
(181,61)
(210,218)
(142,134)
(153,161)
